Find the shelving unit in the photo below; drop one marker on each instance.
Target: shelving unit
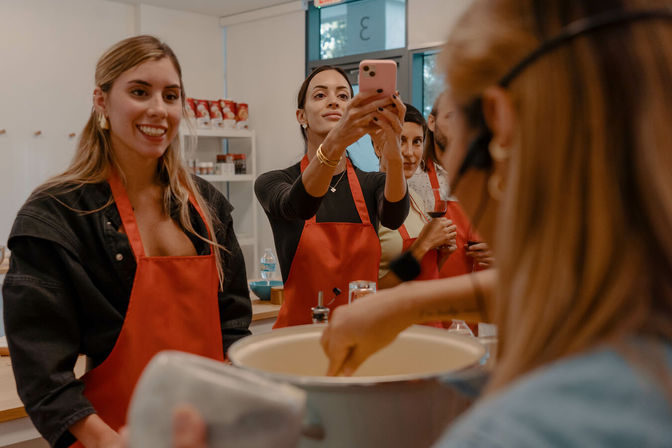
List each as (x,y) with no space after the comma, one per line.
(238,188)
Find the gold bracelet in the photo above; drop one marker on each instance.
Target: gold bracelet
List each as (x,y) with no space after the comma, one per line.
(323,159)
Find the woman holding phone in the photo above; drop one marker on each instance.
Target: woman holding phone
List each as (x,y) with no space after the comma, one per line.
(324,212)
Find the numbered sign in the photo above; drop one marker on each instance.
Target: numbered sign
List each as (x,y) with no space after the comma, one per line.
(366,26)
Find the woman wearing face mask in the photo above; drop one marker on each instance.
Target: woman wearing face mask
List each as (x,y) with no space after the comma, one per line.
(324,213)
(561,92)
(122,256)
(428,241)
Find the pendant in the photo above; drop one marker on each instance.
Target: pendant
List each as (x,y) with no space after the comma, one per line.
(333,190)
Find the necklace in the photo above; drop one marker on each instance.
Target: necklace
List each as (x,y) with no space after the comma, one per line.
(333,187)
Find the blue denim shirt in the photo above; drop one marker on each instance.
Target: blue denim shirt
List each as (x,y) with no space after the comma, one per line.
(597,399)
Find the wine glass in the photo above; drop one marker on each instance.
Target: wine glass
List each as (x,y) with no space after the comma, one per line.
(437,208)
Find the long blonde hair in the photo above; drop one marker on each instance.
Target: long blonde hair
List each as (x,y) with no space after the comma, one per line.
(94,156)
(584,243)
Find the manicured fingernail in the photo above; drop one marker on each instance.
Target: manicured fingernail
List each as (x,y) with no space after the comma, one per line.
(375,118)
(380,109)
(379,90)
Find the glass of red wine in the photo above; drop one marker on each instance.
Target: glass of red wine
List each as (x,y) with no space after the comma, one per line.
(438,207)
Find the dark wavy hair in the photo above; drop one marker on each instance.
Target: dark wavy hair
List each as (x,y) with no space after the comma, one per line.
(430,147)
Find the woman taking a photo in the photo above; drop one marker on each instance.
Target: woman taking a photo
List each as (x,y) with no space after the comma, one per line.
(324,213)
(123,255)
(571,106)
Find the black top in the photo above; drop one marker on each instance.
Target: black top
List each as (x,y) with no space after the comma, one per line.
(68,288)
(288,205)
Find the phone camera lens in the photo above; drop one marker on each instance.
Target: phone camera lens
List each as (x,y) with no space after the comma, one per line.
(372,73)
(365,68)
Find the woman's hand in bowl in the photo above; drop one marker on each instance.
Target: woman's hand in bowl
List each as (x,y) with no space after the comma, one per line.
(358,330)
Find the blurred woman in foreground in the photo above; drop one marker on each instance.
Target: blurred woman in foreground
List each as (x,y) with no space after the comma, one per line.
(578,169)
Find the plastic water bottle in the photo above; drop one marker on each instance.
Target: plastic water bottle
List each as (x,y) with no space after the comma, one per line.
(267,266)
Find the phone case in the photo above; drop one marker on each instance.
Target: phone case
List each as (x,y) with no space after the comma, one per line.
(377,74)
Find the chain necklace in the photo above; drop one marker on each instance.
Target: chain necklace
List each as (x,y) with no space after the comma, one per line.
(333,187)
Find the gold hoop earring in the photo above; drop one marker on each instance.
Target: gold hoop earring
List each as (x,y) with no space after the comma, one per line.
(103,122)
(495,187)
(498,152)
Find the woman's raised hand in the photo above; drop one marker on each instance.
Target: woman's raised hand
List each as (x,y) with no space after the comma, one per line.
(482,254)
(359,118)
(439,233)
(388,124)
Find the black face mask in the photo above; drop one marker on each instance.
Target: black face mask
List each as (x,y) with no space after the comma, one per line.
(478,153)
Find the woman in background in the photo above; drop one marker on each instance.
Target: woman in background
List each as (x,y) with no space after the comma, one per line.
(123,255)
(431,180)
(428,241)
(324,212)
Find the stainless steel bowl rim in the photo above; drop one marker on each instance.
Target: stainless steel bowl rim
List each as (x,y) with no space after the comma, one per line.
(361,381)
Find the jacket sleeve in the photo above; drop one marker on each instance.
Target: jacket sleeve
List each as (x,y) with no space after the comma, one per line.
(43,334)
(235,308)
(283,196)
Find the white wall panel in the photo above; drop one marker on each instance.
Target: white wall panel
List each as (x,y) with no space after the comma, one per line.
(265,67)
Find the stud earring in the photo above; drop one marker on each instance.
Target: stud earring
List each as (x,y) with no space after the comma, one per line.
(304,125)
(103,123)
(495,187)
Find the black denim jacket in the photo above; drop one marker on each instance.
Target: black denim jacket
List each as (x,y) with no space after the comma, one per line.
(67,291)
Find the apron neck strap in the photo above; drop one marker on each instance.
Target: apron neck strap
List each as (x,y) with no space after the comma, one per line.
(128,216)
(355,189)
(126,213)
(433,180)
(404,233)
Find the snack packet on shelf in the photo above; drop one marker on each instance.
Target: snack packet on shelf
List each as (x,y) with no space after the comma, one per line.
(215,114)
(202,114)
(242,115)
(228,113)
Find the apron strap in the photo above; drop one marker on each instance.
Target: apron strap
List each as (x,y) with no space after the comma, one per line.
(355,189)
(357,194)
(404,233)
(433,180)
(126,213)
(128,217)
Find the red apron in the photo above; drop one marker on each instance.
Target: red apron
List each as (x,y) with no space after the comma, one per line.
(459,262)
(429,267)
(329,255)
(173,306)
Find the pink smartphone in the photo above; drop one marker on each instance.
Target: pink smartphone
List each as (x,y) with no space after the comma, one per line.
(377,74)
